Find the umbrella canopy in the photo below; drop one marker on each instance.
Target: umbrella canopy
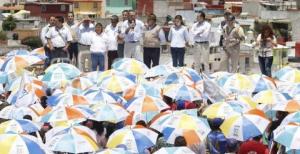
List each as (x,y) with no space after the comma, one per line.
(179,78)
(18,126)
(262,82)
(14,112)
(73,140)
(116,83)
(288,135)
(21,144)
(288,74)
(111,72)
(193,74)
(108,112)
(40,52)
(237,83)
(293,117)
(182,92)
(145,104)
(134,140)
(18,63)
(245,126)
(68,70)
(289,106)
(17,52)
(99,95)
(160,70)
(131,66)
(114,151)
(67,99)
(223,110)
(247,100)
(174,150)
(269,97)
(141,89)
(81,83)
(134,117)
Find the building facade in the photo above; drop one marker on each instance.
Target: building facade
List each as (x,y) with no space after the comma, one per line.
(92,8)
(117,6)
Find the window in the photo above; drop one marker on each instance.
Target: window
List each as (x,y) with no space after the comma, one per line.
(62,8)
(76,5)
(107,2)
(126,2)
(95,5)
(43,8)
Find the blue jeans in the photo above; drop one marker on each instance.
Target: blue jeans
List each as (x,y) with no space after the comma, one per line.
(97,60)
(265,64)
(177,56)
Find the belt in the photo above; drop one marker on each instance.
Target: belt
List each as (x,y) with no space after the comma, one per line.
(133,41)
(204,42)
(58,47)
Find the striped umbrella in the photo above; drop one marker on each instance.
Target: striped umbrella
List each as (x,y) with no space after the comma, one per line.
(134,140)
(81,83)
(108,112)
(18,63)
(14,112)
(193,74)
(114,151)
(134,117)
(237,83)
(40,52)
(262,82)
(269,97)
(288,135)
(131,66)
(223,110)
(20,144)
(99,95)
(141,89)
(293,117)
(67,99)
(245,126)
(247,100)
(17,52)
(160,70)
(288,74)
(182,92)
(68,70)
(174,150)
(179,78)
(116,83)
(18,126)
(289,106)
(111,72)
(145,104)
(73,141)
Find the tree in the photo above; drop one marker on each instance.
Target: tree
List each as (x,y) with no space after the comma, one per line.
(9,24)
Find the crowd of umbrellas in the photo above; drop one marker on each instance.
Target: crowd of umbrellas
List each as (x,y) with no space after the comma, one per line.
(131,92)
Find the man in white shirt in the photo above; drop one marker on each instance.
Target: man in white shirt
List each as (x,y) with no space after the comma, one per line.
(200,43)
(111,32)
(133,29)
(73,48)
(59,38)
(44,40)
(121,36)
(85,29)
(99,45)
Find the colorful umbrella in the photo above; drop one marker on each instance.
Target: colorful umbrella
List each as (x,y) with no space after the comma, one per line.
(193,74)
(223,110)
(19,62)
(99,95)
(134,117)
(18,126)
(174,150)
(237,83)
(288,74)
(288,135)
(293,117)
(160,70)
(269,97)
(247,100)
(38,52)
(131,66)
(289,106)
(14,112)
(292,89)
(141,89)
(19,144)
(114,151)
(116,83)
(262,82)
(73,141)
(70,71)
(145,104)
(182,92)
(111,72)
(81,83)
(245,126)
(17,52)
(108,112)
(218,75)
(179,78)
(61,113)
(134,140)
(67,99)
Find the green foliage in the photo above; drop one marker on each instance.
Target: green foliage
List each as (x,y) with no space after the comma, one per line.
(3,36)
(9,24)
(32,41)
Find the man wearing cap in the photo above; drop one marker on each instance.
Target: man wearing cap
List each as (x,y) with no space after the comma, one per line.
(233,35)
(200,32)
(153,38)
(111,32)
(85,30)
(133,29)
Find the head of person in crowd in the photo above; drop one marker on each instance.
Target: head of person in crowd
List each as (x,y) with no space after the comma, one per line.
(151,20)
(280,115)
(28,117)
(86,21)
(266,32)
(125,15)
(200,17)
(141,123)
(232,145)
(231,20)
(114,20)
(132,15)
(178,21)
(215,124)
(180,141)
(52,21)
(70,17)
(88,123)
(59,21)
(98,28)
(227,14)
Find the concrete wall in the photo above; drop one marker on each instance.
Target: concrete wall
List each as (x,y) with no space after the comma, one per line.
(160,8)
(252,7)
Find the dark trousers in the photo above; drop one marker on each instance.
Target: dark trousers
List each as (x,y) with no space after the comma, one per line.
(112,55)
(73,52)
(265,64)
(48,59)
(97,60)
(121,50)
(151,55)
(59,53)
(177,56)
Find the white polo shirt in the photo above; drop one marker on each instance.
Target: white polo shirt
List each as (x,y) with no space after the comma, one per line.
(135,34)
(84,34)
(112,33)
(200,32)
(178,36)
(59,37)
(99,43)
(43,34)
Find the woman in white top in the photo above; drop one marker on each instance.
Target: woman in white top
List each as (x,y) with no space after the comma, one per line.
(266,41)
(178,36)
(98,48)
